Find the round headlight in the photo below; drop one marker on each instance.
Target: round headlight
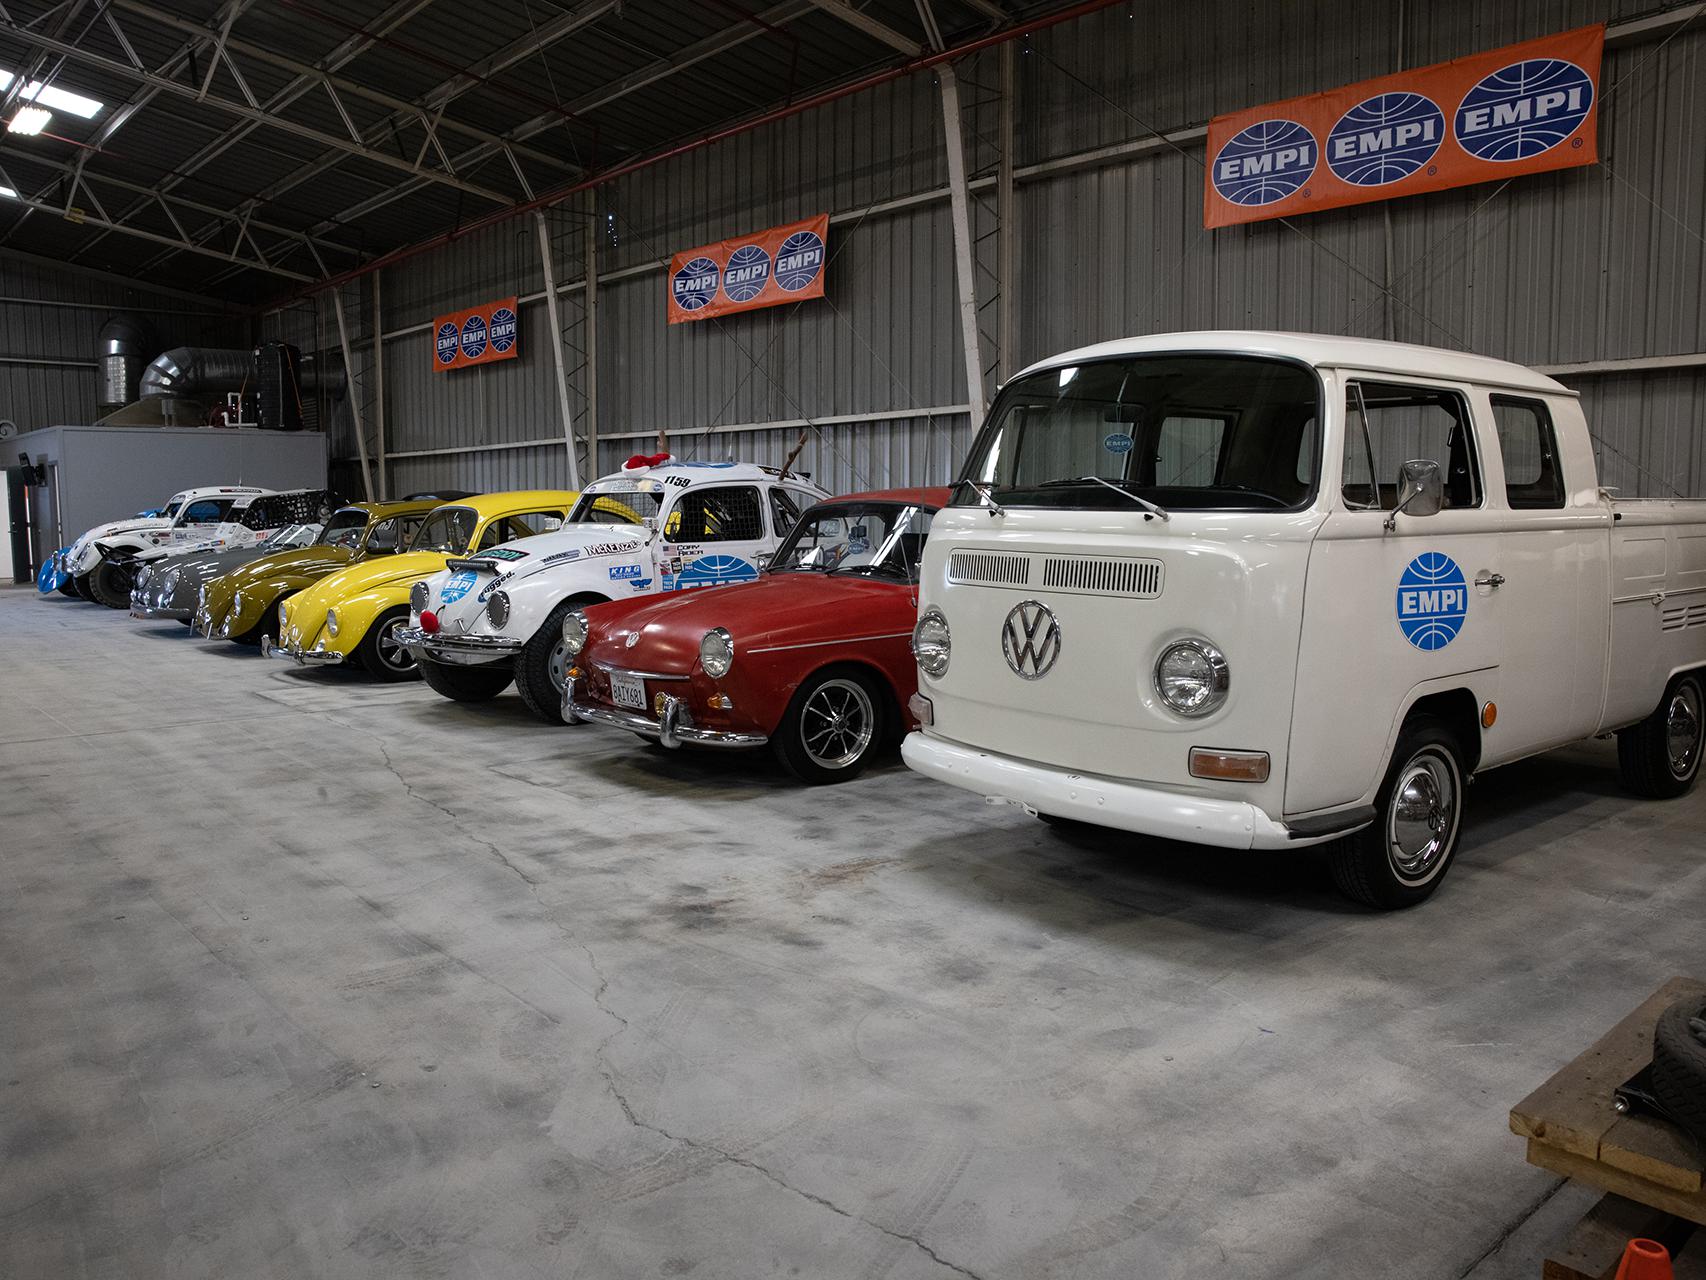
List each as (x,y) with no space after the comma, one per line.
(1192,677)
(931,643)
(169,583)
(143,574)
(717,653)
(332,623)
(574,631)
(497,608)
(419,595)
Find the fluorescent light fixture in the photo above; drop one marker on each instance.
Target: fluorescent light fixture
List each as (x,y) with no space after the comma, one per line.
(54,97)
(29,121)
(8,193)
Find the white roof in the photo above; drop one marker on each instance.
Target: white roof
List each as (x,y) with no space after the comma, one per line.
(696,472)
(216,491)
(1325,351)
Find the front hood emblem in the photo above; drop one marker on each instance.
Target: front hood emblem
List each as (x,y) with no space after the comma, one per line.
(633,639)
(1030,639)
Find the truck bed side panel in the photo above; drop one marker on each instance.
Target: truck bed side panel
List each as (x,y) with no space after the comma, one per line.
(1658,602)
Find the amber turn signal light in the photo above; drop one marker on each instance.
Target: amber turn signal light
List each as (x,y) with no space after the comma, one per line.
(1489,715)
(1229,766)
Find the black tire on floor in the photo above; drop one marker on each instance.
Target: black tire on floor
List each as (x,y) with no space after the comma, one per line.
(110,583)
(1660,757)
(267,626)
(467,684)
(540,665)
(68,588)
(833,726)
(186,622)
(1679,1064)
(1399,859)
(80,586)
(379,653)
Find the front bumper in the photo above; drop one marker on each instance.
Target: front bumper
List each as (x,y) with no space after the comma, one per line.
(1105,802)
(138,610)
(463,650)
(674,728)
(302,658)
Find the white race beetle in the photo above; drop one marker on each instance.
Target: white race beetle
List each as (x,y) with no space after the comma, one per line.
(660,525)
(1263,590)
(195,515)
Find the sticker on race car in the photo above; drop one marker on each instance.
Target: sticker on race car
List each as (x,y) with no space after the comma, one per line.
(458,586)
(613,549)
(562,557)
(640,584)
(503,553)
(620,571)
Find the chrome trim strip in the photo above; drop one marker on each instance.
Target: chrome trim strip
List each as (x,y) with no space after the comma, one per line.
(1656,596)
(644,675)
(138,611)
(820,644)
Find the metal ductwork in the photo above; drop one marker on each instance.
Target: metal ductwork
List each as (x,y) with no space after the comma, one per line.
(121,351)
(197,371)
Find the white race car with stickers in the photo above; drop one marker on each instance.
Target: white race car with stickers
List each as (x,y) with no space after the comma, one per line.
(1262,590)
(95,563)
(659,525)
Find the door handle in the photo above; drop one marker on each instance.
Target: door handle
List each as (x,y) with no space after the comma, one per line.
(1492,581)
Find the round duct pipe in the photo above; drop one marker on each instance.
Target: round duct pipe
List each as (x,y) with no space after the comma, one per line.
(121,351)
(194,371)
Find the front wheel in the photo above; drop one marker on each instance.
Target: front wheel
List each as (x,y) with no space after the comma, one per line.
(542,666)
(110,582)
(1400,858)
(68,588)
(80,585)
(466,684)
(266,628)
(1660,757)
(832,727)
(381,653)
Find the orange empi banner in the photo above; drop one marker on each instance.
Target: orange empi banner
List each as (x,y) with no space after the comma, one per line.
(783,264)
(478,335)
(1522,109)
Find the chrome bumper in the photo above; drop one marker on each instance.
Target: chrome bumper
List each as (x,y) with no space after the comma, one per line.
(157,611)
(459,649)
(674,729)
(311,658)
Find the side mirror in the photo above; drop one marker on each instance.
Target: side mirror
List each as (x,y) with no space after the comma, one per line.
(1421,490)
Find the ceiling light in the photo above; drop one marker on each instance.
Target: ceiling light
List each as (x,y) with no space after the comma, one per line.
(8,193)
(29,121)
(60,99)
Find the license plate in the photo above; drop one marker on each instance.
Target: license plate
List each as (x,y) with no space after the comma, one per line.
(627,691)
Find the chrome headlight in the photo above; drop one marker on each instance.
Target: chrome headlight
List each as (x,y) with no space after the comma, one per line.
(143,574)
(169,583)
(419,596)
(574,631)
(332,623)
(497,608)
(1192,677)
(717,653)
(932,644)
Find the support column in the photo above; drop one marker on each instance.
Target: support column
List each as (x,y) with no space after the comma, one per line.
(549,270)
(379,391)
(953,139)
(589,301)
(1007,215)
(351,396)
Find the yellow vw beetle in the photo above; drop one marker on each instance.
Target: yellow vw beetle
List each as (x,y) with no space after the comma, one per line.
(354,614)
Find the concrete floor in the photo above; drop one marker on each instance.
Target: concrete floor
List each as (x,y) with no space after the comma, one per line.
(304,976)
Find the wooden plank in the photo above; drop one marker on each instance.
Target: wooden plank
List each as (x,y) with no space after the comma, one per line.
(1595,1245)
(1598,1174)
(1651,1149)
(1572,1112)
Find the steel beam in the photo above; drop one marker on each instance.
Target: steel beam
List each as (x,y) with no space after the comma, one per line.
(1007,215)
(549,270)
(379,390)
(351,397)
(589,308)
(859,20)
(959,201)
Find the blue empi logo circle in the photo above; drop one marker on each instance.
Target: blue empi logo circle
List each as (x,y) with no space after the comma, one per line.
(748,269)
(474,337)
(799,260)
(1433,600)
(446,340)
(695,284)
(1265,162)
(1524,109)
(1385,138)
(503,329)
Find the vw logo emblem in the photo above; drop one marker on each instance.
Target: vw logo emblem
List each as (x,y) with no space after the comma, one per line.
(1030,639)
(633,639)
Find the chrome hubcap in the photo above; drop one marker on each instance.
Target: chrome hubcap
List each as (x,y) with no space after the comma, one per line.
(1422,817)
(391,653)
(1682,730)
(836,724)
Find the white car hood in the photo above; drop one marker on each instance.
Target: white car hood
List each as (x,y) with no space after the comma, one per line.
(524,558)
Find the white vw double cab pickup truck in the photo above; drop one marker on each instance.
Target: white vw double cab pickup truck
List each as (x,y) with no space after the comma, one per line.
(1265,590)
(657,526)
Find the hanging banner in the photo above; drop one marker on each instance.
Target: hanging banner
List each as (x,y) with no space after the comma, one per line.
(1522,109)
(783,264)
(479,335)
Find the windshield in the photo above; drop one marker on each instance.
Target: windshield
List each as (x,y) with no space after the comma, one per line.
(448,530)
(171,510)
(877,539)
(344,529)
(1192,432)
(295,535)
(618,508)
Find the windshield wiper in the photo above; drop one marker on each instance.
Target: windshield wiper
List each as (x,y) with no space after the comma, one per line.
(1151,510)
(984,490)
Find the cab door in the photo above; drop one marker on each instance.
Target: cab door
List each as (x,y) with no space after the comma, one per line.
(713,535)
(1389,616)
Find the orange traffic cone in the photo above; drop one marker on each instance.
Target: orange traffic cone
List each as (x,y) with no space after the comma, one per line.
(1645,1260)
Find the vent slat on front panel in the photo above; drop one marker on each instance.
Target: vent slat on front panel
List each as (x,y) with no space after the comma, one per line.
(1103,576)
(989,569)
(1680,617)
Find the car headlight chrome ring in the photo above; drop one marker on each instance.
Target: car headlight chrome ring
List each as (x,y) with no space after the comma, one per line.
(143,574)
(169,583)
(717,653)
(1192,677)
(574,631)
(932,643)
(332,623)
(497,608)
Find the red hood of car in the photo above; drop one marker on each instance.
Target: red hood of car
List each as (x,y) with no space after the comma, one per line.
(778,609)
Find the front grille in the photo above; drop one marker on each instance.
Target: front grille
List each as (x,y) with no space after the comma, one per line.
(989,569)
(1103,576)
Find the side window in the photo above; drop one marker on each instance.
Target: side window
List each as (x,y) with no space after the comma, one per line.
(729,514)
(1187,450)
(1405,423)
(1530,450)
(383,538)
(510,528)
(207,511)
(1306,446)
(784,511)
